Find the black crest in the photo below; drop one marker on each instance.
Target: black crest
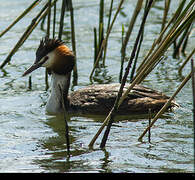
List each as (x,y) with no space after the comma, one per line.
(47,45)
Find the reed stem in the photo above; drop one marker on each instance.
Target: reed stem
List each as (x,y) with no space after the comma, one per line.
(116,104)
(101,22)
(46,80)
(193,99)
(139,46)
(66,117)
(149,122)
(185,62)
(108,25)
(186,40)
(162,110)
(95,44)
(42,23)
(128,34)
(122,59)
(48,18)
(150,64)
(35,3)
(30,83)
(181,40)
(48,35)
(176,30)
(26,34)
(158,40)
(106,38)
(75,73)
(54,20)
(136,57)
(165,13)
(62,19)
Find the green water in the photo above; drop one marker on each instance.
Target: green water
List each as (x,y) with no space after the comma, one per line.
(31,141)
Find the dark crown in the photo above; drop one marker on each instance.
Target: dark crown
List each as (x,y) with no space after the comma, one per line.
(47,45)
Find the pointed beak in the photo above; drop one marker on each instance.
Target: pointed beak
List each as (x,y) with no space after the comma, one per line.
(32,68)
(38,63)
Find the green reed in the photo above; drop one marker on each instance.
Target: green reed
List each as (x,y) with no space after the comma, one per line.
(26,11)
(73,39)
(116,104)
(27,32)
(193,101)
(165,39)
(174,32)
(41,16)
(128,34)
(104,42)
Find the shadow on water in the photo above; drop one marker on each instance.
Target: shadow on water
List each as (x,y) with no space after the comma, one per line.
(55,154)
(83,158)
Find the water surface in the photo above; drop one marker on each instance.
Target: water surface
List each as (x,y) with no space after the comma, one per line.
(31,141)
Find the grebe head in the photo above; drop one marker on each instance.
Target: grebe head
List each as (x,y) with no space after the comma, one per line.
(59,60)
(53,55)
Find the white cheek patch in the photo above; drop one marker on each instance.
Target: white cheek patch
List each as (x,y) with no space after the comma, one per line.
(49,62)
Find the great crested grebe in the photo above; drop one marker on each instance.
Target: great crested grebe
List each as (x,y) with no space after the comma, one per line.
(94,99)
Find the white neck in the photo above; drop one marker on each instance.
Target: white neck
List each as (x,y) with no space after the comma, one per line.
(54,104)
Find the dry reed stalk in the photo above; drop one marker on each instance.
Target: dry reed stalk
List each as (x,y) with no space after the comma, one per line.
(139,46)
(122,59)
(156,55)
(48,19)
(185,62)
(116,104)
(62,19)
(128,34)
(109,119)
(42,23)
(165,43)
(48,35)
(35,3)
(136,57)
(106,38)
(98,40)
(149,122)
(75,73)
(177,47)
(101,23)
(140,75)
(95,44)
(163,109)
(158,40)
(193,99)
(54,20)
(110,113)
(108,25)
(165,13)
(26,34)
(186,40)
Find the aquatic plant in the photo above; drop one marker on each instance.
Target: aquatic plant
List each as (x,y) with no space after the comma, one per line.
(184,18)
(174,32)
